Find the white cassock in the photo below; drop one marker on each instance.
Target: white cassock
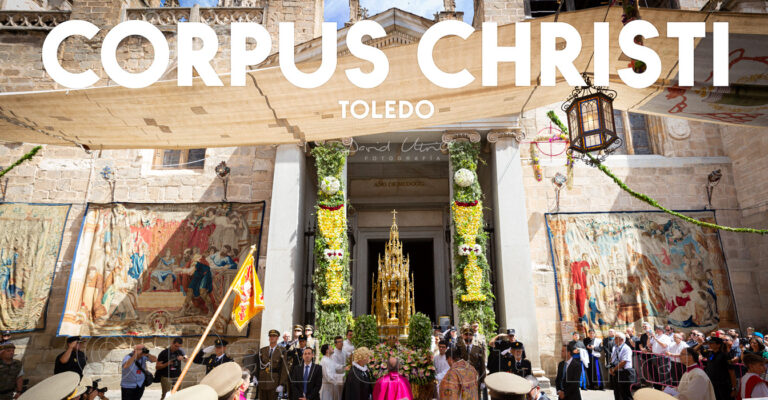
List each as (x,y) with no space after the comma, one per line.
(348,347)
(441,367)
(333,382)
(695,385)
(340,358)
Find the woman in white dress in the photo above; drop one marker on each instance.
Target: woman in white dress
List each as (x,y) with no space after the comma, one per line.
(332,381)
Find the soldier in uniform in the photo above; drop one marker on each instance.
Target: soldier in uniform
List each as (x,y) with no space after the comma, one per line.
(296,351)
(218,357)
(311,341)
(517,364)
(272,371)
(11,372)
(474,354)
(501,357)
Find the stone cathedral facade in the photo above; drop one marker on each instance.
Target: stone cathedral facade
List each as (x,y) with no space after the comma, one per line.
(669,159)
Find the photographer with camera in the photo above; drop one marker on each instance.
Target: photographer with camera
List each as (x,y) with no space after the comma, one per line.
(73,359)
(135,377)
(169,365)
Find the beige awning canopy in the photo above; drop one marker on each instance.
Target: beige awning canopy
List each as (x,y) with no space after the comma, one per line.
(270,110)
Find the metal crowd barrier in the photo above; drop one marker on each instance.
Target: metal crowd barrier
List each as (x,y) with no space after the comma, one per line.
(662,370)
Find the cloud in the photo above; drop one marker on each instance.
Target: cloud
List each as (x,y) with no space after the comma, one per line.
(338,10)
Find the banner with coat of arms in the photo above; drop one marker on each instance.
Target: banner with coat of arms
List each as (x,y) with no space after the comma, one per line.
(158,269)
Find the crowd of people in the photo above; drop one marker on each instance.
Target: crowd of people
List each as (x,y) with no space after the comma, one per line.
(694,366)
(718,366)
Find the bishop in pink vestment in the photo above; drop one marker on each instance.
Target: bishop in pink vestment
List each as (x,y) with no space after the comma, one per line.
(392,386)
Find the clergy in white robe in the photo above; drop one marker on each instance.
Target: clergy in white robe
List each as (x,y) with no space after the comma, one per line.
(348,347)
(694,384)
(339,356)
(333,382)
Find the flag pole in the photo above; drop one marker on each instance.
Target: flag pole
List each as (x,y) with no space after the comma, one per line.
(208,328)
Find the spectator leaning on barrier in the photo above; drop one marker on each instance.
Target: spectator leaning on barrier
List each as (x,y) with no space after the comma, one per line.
(676,347)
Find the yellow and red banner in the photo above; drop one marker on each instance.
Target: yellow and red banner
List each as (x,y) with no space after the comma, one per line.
(249,300)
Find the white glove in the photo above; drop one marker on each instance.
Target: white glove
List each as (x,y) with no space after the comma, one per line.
(482,386)
(280,389)
(209,349)
(505,352)
(254,381)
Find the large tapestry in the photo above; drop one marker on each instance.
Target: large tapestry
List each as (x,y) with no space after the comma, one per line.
(618,269)
(157,269)
(30,240)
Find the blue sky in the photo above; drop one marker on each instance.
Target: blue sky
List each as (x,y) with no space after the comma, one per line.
(338,10)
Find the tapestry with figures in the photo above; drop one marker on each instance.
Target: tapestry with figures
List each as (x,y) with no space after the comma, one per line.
(157,269)
(622,268)
(30,241)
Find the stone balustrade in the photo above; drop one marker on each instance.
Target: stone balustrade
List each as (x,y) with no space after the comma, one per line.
(32,20)
(168,17)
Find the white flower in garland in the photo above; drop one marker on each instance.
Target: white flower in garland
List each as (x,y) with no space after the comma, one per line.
(330,185)
(464,177)
(333,254)
(465,249)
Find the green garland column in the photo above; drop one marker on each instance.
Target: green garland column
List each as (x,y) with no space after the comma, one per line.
(331,277)
(471,277)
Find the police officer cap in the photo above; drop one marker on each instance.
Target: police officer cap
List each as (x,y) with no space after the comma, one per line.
(651,394)
(517,346)
(309,327)
(224,379)
(197,392)
(220,343)
(506,386)
(274,332)
(6,333)
(303,337)
(297,328)
(56,387)
(511,332)
(7,345)
(466,329)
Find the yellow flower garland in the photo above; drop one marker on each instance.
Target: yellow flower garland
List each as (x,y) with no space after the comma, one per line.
(333,226)
(468,220)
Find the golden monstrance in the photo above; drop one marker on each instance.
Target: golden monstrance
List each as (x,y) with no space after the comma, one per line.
(393,290)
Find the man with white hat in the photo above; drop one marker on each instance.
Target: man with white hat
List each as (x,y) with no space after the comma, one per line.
(11,372)
(57,387)
(225,380)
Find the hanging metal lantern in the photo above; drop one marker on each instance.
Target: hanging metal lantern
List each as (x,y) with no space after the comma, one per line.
(590,121)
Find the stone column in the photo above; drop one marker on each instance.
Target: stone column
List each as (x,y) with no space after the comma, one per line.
(514,281)
(285,242)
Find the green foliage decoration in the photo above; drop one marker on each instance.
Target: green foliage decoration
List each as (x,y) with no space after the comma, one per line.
(467,155)
(332,319)
(365,332)
(420,331)
(648,199)
(23,158)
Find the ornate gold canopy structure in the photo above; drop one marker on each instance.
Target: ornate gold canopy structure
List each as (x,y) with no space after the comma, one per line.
(393,290)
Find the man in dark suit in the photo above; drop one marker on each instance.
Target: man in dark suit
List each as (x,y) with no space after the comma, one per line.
(306,378)
(474,354)
(569,374)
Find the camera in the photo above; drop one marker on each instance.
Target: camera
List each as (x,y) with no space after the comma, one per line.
(145,351)
(97,388)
